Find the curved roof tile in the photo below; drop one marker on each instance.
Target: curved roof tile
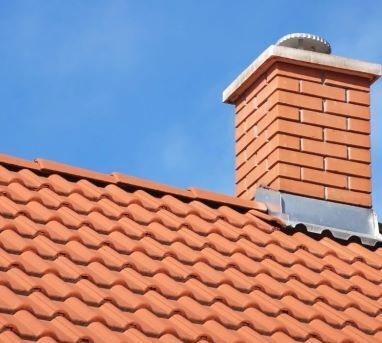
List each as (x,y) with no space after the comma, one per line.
(91,257)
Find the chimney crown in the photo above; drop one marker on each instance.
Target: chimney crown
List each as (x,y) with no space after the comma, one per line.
(274,53)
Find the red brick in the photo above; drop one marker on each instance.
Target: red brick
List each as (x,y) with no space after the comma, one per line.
(240,188)
(297,100)
(246,168)
(348,138)
(259,84)
(275,121)
(265,149)
(359,125)
(323,119)
(255,145)
(244,141)
(298,187)
(244,113)
(256,173)
(289,142)
(322,91)
(295,157)
(240,104)
(358,97)
(294,71)
(278,111)
(279,140)
(360,184)
(257,115)
(294,128)
(280,169)
(346,109)
(347,167)
(324,177)
(250,112)
(249,194)
(240,131)
(346,81)
(361,155)
(324,149)
(348,197)
(240,159)
(278,83)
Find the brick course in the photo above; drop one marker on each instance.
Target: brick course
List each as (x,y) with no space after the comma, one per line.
(305,131)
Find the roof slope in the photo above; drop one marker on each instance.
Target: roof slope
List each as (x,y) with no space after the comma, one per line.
(92,257)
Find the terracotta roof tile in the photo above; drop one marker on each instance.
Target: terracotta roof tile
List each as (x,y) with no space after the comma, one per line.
(88,256)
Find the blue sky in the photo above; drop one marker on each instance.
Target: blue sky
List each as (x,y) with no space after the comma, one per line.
(135,86)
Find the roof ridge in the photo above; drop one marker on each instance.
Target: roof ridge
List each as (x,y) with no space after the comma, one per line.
(193,193)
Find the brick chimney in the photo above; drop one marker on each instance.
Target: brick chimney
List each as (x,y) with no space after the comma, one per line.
(302,119)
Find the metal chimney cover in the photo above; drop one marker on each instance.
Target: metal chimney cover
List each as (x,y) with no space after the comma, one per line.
(305,41)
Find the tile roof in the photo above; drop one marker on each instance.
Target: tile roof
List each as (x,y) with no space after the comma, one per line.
(91,257)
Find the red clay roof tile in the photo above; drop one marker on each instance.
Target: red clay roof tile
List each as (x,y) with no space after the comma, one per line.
(87,256)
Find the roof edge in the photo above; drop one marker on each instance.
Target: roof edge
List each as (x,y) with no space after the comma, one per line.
(226,199)
(274,52)
(46,166)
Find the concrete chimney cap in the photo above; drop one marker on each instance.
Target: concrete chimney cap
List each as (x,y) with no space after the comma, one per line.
(305,41)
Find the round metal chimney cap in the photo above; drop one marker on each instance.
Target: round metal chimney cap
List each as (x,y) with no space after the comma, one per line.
(305,41)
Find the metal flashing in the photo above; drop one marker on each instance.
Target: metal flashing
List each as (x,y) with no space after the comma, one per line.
(343,221)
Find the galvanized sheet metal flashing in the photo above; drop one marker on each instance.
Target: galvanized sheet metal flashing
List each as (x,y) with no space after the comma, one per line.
(343,221)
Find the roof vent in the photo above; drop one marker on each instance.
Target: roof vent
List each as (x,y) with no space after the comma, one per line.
(343,221)
(305,41)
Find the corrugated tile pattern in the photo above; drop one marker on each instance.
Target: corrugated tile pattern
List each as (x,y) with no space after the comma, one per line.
(87,262)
